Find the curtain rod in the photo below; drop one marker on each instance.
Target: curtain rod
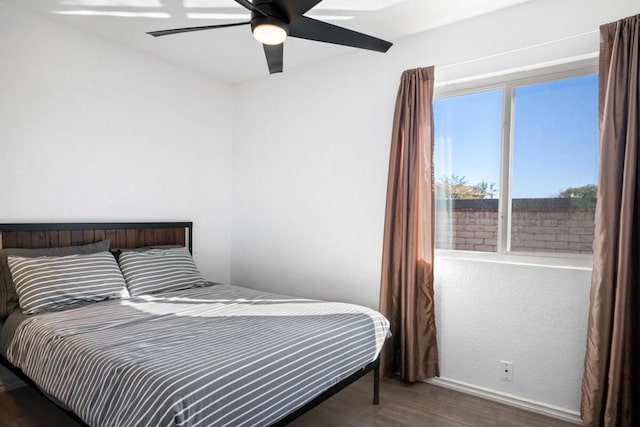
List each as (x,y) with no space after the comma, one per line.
(495,55)
(532,67)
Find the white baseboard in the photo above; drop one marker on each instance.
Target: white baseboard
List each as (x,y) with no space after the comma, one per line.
(518,402)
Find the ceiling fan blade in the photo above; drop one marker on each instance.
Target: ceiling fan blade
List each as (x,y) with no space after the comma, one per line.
(274,54)
(250,6)
(189,29)
(295,8)
(312,29)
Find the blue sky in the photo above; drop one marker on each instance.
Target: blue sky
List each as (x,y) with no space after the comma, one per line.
(555,136)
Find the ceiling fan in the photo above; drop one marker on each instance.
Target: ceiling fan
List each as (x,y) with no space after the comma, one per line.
(273,20)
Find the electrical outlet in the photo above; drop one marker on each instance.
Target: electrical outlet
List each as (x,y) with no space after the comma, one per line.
(507,370)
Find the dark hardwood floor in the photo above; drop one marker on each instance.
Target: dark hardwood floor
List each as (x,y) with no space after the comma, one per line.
(417,405)
(400,405)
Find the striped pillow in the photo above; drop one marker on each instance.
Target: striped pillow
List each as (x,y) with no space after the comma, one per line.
(159,270)
(8,296)
(49,283)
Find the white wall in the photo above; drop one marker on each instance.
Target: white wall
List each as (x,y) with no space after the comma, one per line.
(310,164)
(533,316)
(93,131)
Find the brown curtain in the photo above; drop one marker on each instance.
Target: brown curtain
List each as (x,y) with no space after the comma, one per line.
(610,385)
(406,291)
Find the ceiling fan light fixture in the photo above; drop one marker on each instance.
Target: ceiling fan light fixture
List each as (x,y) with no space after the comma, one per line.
(269,30)
(270,34)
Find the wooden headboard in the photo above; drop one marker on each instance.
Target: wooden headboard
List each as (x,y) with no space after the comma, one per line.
(122,235)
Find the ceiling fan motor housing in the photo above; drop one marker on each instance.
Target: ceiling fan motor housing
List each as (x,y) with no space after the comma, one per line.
(274,16)
(257,20)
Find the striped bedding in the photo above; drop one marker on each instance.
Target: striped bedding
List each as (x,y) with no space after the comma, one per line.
(215,356)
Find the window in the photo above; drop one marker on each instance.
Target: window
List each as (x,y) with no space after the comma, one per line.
(468,131)
(516,166)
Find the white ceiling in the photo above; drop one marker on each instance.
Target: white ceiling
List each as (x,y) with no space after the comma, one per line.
(231,54)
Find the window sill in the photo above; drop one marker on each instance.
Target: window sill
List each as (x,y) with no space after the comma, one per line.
(564,261)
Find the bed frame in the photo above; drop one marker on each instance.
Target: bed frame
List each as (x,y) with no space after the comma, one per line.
(122,235)
(132,235)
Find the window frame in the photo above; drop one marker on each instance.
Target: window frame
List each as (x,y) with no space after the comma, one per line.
(508,83)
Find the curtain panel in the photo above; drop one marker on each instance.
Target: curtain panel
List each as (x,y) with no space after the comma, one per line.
(406,291)
(611,384)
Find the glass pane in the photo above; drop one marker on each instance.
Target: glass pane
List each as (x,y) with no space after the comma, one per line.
(555,166)
(467,170)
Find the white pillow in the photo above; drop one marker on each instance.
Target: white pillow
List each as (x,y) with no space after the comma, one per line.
(159,270)
(49,283)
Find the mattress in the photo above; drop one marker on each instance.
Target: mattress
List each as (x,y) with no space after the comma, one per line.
(213,356)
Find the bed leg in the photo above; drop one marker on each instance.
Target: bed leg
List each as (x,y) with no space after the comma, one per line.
(376,386)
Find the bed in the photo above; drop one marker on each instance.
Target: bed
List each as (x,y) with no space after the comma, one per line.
(207,355)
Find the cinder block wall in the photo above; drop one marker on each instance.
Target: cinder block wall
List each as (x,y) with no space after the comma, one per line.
(537,225)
